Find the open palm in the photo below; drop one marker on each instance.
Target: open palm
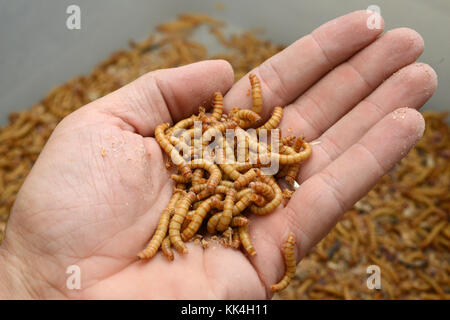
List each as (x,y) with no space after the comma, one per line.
(95,195)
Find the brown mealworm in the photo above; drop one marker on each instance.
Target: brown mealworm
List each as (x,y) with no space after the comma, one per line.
(177,219)
(258,199)
(263,189)
(242,204)
(227,213)
(274,120)
(244,236)
(168,148)
(236,242)
(245,179)
(291,264)
(212,223)
(157,238)
(165,248)
(215,175)
(256,93)
(239,221)
(198,217)
(275,202)
(218,106)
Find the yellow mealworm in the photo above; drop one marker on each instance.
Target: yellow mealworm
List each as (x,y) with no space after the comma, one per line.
(291,264)
(157,238)
(292,172)
(245,179)
(275,202)
(215,175)
(198,217)
(165,248)
(242,204)
(236,242)
(219,128)
(242,193)
(230,171)
(243,167)
(197,176)
(168,148)
(179,179)
(239,221)
(263,188)
(212,222)
(244,236)
(245,118)
(258,199)
(288,140)
(256,93)
(227,213)
(290,159)
(218,106)
(177,219)
(274,120)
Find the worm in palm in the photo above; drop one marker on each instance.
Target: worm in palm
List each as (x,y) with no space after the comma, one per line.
(168,148)
(262,188)
(256,93)
(239,221)
(291,264)
(218,106)
(198,217)
(292,172)
(212,222)
(242,204)
(236,242)
(245,179)
(177,219)
(215,175)
(275,202)
(244,236)
(165,248)
(227,212)
(274,120)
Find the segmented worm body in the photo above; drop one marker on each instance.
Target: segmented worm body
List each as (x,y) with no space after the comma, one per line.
(227,213)
(256,93)
(291,264)
(244,236)
(177,219)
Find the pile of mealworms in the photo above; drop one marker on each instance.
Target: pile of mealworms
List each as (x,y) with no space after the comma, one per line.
(401,225)
(218,186)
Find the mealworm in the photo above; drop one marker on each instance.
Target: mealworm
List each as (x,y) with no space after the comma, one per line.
(288,140)
(215,175)
(245,179)
(258,199)
(197,176)
(275,202)
(292,173)
(177,219)
(218,106)
(274,120)
(227,237)
(180,179)
(212,222)
(289,158)
(239,221)
(227,212)
(168,148)
(245,118)
(219,128)
(198,217)
(291,264)
(244,236)
(256,93)
(242,204)
(236,242)
(165,248)
(243,167)
(262,188)
(157,238)
(242,193)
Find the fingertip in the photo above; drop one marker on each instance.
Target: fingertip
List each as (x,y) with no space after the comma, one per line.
(410,124)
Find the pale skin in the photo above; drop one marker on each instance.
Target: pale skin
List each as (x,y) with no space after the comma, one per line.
(95,194)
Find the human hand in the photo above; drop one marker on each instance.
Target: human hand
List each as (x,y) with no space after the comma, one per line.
(94,196)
